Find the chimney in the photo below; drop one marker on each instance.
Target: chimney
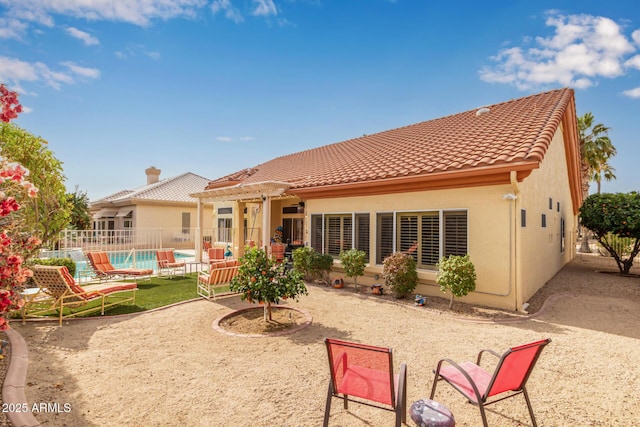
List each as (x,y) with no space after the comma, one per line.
(153,175)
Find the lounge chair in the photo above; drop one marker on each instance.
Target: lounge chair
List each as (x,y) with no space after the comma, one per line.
(220,275)
(104,270)
(168,266)
(477,385)
(62,292)
(366,373)
(215,254)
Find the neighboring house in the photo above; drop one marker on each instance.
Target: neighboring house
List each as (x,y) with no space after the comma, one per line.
(159,205)
(501,183)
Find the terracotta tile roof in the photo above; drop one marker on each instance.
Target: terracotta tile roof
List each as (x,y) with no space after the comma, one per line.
(516,132)
(174,189)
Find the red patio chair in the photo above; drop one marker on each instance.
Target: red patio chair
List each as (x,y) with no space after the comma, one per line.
(103,268)
(277,252)
(64,293)
(366,373)
(168,266)
(510,376)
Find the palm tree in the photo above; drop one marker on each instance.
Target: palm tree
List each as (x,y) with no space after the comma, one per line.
(595,150)
(605,171)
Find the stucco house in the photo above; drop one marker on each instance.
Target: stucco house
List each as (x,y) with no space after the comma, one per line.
(161,205)
(501,183)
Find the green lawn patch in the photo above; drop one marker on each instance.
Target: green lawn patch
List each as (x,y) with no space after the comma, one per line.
(153,293)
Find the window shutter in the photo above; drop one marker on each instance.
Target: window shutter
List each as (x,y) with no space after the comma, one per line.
(347,233)
(362,233)
(332,230)
(408,234)
(316,233)
(385,237)
(430,240)
(455,233)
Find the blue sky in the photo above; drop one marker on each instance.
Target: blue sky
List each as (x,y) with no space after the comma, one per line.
(214,86)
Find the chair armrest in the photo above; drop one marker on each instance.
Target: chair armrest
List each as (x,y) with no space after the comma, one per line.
(486,351)
(462,371)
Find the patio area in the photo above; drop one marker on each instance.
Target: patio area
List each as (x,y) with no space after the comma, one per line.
(170,367)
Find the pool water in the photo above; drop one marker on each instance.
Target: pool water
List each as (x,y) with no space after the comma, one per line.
(119,259)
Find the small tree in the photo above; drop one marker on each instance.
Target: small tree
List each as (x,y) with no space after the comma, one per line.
(80,218)
(261,279)
(457,275)
(613,215)
(353,262)
(400,275)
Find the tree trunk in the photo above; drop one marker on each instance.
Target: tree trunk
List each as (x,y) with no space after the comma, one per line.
(584,247)
(267,312)
(451,302)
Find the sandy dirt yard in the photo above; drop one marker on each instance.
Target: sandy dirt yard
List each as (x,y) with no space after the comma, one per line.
(171,367)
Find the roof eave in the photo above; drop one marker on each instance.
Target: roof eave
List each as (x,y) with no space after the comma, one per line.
(480,176)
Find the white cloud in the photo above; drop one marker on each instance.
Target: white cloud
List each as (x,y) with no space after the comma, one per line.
(633,62)
(91,73)
(231,13)
(636,37)
(11,28)
(132,11)
(86,38)
(224,139)
(632,93)
(153,55)
(264,8)
(133,50)
(14,71)
(247,138)
(582,49)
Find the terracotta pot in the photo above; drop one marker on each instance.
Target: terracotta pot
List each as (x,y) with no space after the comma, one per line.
(337,283)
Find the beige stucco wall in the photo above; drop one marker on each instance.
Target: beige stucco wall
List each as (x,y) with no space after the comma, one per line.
(168,216)
(488,216)
(511,262)
(539,248)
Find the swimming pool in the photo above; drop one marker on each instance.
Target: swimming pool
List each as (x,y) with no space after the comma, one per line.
(144,258)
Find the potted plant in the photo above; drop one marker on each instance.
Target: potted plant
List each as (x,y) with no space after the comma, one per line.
(400,275)
(353,263)
(457,275)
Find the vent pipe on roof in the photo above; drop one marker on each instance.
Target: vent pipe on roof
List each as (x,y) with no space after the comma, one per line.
(153,175)
(482,111)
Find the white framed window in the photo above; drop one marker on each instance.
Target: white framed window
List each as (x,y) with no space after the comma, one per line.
(425,235)
(334,233)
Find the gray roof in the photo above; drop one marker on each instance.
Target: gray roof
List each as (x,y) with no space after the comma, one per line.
(174,189)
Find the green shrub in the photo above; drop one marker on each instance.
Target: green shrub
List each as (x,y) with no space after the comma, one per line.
(313,265)
(353,262)
(400,275)
(457,275)
(68,262)
(321,266)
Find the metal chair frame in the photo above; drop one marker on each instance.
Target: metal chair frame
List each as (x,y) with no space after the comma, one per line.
(494,387)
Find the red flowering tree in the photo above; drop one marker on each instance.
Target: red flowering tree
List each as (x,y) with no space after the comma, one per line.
(15,244)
